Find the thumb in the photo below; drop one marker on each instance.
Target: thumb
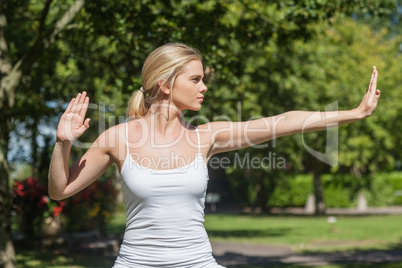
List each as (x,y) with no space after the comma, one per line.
(86,123)
(84,126)
(377,94)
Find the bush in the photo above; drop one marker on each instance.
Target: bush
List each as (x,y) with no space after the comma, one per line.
(335,196)
(292,192)
(91,209)
(385,187)
(33,207)
(340,190)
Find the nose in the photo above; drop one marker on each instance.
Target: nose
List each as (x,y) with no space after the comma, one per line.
(203,88)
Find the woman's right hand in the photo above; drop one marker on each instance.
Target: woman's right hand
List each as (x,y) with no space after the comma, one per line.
(72,123)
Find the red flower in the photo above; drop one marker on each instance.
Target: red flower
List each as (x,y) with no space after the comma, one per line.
(57,210)
(30,181)
(43,201)
(19,189)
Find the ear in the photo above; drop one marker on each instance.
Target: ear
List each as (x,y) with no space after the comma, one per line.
(165,87)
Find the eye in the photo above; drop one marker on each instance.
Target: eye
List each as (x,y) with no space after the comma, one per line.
(196,79)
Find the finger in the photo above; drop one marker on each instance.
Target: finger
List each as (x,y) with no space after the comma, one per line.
(374,84)
(70,105)
(81,103)
(84,126)
(74,107)
(371,80)
(84,108)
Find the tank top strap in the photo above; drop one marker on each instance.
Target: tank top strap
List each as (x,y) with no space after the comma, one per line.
(127,138)
(198,137)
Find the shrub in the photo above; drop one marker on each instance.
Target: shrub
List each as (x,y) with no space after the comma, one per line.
(292,192)
(395,180)
(33,206)
(340,190)
(91,209)
(384,188)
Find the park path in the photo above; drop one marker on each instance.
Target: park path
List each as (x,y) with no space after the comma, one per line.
(235,254)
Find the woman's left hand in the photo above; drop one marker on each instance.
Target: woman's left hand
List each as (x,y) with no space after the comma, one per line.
(370,99)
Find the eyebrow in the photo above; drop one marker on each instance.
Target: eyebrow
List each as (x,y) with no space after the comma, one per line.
(196,75)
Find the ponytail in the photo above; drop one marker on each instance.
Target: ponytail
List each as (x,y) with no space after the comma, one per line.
(137,106)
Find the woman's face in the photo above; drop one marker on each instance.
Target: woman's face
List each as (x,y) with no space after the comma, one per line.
(188,89)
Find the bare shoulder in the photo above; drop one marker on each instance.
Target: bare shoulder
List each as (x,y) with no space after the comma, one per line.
(111,141)
(137,132)
(109,137)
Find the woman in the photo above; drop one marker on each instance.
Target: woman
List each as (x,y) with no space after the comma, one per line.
(163,160)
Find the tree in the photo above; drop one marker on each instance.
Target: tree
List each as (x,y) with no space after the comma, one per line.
(267,81)
(335,66)
(12,72)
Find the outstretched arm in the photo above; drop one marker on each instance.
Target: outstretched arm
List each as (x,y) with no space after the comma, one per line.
(228,136)
(63,180)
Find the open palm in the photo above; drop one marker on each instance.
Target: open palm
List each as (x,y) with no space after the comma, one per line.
(370,99)
(72,123)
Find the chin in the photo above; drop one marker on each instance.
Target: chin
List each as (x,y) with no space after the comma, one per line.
(196,109)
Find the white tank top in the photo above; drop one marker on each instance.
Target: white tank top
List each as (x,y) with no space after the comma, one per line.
(165,215)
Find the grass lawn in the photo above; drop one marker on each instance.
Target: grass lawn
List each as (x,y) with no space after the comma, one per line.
(328,266)
(302,233)
(37,259)
(309,233)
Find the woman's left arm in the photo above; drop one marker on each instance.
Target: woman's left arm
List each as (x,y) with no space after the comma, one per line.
(229,136)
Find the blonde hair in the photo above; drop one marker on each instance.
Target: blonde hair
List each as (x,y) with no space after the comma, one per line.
(163,64)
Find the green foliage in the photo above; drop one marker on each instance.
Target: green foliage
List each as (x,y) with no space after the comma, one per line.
(292,192)
(92,208)
(388,189)
(340,190)
(332,67)
(33,207)
(336,66)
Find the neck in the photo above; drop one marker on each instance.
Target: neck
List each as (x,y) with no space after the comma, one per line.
(164,118)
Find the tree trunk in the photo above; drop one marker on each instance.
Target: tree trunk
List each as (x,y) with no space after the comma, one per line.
(264,187)
(261,202)
(35,147)
(320,208)
(7,255)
